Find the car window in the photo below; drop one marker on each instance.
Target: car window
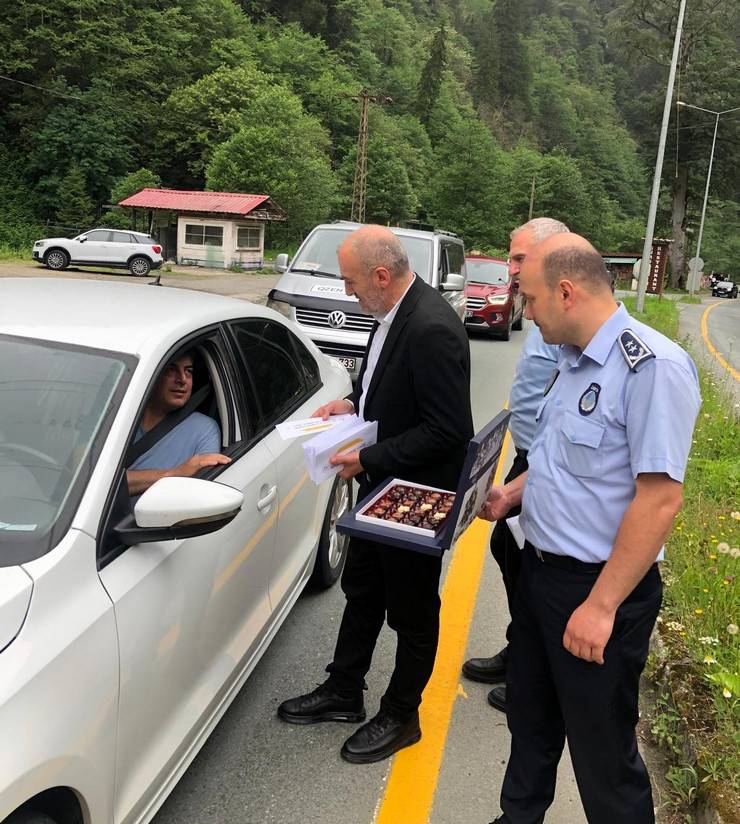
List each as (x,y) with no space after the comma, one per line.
(319,254)
(455,259)
(99,235)
(56,404)
(122,237)
(493,272)
(276,381)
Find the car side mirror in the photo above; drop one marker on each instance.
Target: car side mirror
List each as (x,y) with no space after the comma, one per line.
(454,283)
(176,508)
(82,238)
(281,262)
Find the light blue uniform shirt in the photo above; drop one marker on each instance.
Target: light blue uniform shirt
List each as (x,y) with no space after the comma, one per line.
(196,435)
(599,426)
(535,366)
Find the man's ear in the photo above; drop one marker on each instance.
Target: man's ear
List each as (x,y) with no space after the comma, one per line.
(383,276)
(566,291)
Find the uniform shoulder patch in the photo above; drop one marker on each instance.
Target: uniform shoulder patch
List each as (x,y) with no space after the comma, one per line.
(635,351)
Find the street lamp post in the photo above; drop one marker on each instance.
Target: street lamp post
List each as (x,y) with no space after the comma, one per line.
(717,115)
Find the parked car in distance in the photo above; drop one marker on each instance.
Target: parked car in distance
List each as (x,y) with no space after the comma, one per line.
(493,302)
(127,630)
(311,293)
(119,249)
(724,289)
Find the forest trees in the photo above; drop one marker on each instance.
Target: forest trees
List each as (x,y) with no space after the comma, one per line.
(487,95)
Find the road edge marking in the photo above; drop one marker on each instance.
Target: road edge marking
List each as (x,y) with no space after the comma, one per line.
(412,781)
(712,349)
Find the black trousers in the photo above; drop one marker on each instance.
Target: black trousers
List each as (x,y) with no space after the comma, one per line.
(552,695)
(504,548)
(380,581)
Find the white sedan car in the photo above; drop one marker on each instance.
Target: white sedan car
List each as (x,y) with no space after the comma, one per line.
(124,637)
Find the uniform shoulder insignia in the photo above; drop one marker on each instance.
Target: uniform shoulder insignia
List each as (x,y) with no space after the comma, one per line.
(635,351)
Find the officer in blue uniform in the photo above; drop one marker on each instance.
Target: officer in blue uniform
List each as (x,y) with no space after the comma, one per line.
(536,362)
(604,484)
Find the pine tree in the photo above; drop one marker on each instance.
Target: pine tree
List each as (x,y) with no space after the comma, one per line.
(75,207)
(431,76)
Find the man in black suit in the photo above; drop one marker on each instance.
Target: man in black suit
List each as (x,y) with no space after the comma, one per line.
(415,381)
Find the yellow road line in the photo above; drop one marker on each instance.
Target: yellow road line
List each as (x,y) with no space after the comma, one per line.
(705,334)
(413,778)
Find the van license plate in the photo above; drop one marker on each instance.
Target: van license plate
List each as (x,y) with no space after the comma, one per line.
(348,363)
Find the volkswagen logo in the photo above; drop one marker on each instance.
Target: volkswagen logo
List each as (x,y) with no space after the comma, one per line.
(337,319)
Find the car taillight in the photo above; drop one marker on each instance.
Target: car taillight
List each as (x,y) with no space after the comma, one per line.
(156,249)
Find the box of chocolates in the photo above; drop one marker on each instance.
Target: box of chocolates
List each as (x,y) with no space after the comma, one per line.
(418,509)
(425,519)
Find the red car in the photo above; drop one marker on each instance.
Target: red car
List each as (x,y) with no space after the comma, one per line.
(493,302)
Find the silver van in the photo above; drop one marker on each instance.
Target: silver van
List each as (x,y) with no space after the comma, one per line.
(311,293)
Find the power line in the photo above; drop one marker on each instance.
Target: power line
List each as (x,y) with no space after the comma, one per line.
(41,88)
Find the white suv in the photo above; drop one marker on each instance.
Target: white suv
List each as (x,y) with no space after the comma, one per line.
(134,251)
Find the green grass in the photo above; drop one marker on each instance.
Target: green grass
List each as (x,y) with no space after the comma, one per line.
(11,253)
(701,609)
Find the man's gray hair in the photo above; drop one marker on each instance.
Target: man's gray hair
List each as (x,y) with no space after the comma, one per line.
(384,250)
(583,266)
(542,227)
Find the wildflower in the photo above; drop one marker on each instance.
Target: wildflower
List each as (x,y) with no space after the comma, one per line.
(732,629)
(706,414)
(735,515)
(726,693)
(735,552)
(674,626)
(698,611)
(710,659)
(723,547)
(709,640)
(713,557)
(705,590)
(728,579)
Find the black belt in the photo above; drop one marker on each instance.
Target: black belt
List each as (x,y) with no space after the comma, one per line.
(564,561)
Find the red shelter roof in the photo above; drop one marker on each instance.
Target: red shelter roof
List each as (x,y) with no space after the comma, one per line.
(232,203)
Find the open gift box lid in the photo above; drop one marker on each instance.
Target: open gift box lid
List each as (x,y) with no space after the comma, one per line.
(476,478)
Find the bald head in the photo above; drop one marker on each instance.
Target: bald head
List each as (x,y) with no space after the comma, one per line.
(376,246)
(541,228)
(567,256)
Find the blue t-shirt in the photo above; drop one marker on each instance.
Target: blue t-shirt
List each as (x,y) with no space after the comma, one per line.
(196,435)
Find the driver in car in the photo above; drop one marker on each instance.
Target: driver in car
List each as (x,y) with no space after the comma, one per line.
(190,446)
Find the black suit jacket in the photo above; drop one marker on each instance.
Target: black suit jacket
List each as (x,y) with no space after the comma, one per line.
(419,394)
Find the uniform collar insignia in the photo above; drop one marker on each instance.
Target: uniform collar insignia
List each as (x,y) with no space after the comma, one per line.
(635,351)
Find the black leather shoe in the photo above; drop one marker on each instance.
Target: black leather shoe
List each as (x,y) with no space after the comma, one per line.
(323,704)
(381,737)
(497,697)
(487,670)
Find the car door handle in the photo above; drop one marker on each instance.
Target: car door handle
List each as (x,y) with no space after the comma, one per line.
(264,502)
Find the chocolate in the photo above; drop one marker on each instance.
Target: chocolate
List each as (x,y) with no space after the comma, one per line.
(411,506)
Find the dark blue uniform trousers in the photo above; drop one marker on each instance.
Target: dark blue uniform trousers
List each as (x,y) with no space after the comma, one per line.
(382,581)
(552,695)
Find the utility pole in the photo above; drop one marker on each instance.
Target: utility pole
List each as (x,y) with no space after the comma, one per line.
(648,247)
(531,200)
(359,187)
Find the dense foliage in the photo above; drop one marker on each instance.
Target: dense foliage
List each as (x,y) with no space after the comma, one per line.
(483,98)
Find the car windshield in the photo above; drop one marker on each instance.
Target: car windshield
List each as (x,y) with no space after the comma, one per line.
(492,272)
(319,255)
(56,403)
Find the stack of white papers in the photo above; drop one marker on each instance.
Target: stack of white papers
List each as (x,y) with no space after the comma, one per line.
(308,426)
(350,435)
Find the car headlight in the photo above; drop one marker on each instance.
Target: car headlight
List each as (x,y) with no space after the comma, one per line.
(497,300)
(38,243)
(285,309)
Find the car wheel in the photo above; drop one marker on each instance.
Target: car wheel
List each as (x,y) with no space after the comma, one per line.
(506,334)
(518,324)
(139,266)
(332,551)
(56,259)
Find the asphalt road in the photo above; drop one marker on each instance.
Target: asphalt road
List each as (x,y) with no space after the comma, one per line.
(255,769)
(716,343)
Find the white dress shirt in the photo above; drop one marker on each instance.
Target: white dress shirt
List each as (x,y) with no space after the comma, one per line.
(376,347)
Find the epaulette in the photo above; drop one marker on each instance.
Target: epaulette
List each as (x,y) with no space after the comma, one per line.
(635,351)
